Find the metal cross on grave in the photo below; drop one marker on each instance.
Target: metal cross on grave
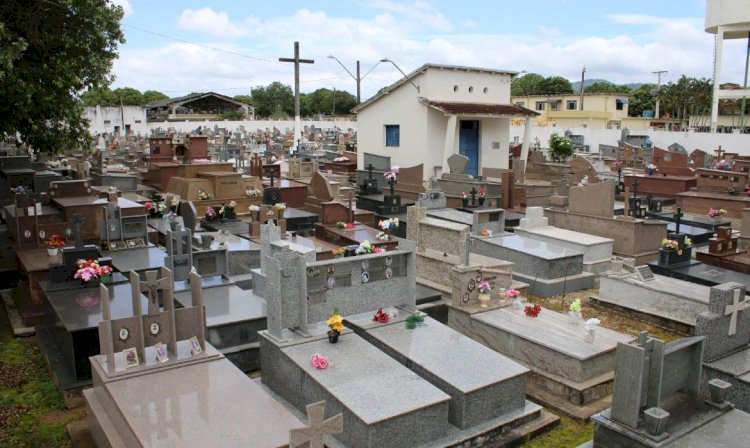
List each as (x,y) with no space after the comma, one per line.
(151,286)
(271,176)
(369,171)
(734,309)
(77,223)
(316,432)
(473,195)
(677,217)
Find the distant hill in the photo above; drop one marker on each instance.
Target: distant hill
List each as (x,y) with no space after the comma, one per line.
(577,85)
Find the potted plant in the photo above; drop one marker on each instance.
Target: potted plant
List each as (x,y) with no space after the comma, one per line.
(716,213)
(464,199)
(171,218)
(482,194)
(484,293)
(515,296)
(388,225)
(336,324)
(574,312)
(54,243)
(560,148)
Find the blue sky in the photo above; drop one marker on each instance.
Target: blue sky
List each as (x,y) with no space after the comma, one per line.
(231,46)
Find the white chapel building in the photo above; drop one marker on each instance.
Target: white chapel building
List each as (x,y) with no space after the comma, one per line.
(440,110)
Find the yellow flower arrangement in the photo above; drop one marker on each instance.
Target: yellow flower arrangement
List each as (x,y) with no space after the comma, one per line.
(336,321)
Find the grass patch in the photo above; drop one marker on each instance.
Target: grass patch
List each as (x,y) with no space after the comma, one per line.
(569,434)
(27,394)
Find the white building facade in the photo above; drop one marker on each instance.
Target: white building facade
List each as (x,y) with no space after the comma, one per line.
(437,111)
(117,120)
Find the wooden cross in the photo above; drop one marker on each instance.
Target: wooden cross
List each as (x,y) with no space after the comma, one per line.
(297,61)
(77,222)
(152,285)
(677,218)
(719,153)
(316,432)
(733,310)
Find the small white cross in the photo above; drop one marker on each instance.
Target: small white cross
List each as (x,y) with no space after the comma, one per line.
(318,427)
(734,309)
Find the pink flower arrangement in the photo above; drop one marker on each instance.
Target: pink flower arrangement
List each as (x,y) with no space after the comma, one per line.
(378,250)
(91,269)
(392,174)
(484,287)
(210,212)
(319,361)
(149,205)
(511,293)
(716,212)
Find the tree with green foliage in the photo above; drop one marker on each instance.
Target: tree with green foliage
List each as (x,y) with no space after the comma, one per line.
(321,101)
(555,85)
(52,51)
(560,148)
(275,100)
(641,98)
(150,96)
(528,84)
(606,87)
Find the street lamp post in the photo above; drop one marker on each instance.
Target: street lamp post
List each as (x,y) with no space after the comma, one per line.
(358,79)
(402,72)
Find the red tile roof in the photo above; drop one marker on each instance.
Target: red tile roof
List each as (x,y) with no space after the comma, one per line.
(480,108)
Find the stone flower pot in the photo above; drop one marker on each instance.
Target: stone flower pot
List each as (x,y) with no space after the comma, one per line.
(656,420)
(718,390)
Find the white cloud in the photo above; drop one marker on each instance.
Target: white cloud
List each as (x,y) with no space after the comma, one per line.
(214,23)
(679,46)
(126,7)
(419,11)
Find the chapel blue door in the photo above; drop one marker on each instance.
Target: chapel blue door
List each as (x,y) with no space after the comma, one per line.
(468,144)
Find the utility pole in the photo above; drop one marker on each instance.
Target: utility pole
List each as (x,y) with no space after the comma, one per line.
(334,101)
(658,90)
(583,78)
(297,61)
(358,79)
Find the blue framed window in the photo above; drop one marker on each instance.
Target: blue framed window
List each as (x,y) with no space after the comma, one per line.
(392,135)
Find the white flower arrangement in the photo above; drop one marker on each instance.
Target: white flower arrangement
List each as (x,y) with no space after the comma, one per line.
(592,323)
(254,208)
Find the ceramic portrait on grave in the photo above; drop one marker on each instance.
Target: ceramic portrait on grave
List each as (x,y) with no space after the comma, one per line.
(131,357)
(195,346)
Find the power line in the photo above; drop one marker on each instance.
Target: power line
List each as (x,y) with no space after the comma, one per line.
(177,39)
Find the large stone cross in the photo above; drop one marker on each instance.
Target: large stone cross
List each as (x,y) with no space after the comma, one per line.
(733,309)
(677,217)
(318,427)
(77,222)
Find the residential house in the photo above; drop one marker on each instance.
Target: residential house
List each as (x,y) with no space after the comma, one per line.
(439,110)
(595,111)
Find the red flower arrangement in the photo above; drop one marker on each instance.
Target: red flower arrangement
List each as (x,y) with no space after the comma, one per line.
(532,310)
(380,316)
(55,241)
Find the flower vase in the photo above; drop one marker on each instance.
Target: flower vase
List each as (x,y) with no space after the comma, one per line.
(575,318)
(518,303)
(105,278)
(464,202)
(333,336)
(650,171)
(484,300)
(173,225)
(52,251)
(590,334)
(481,201)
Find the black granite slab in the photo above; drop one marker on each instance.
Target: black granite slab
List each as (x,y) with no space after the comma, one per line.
(692,220)
(72,325)
(701,273)
(138,259)
(699,235)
